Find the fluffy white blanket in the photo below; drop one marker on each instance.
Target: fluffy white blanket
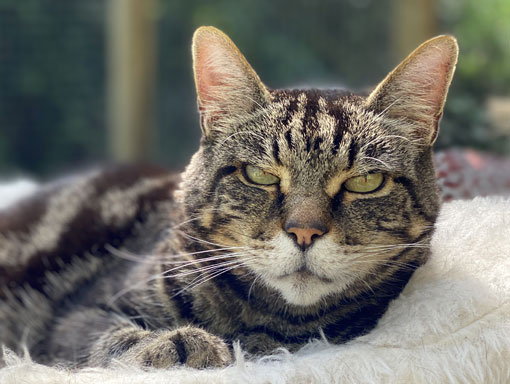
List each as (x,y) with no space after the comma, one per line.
(450,325)
(12,191)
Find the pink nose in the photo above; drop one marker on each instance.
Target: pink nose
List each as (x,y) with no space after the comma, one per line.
(304,237)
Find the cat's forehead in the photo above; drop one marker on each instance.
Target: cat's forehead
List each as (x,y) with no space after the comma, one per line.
(318,128)
(313,105)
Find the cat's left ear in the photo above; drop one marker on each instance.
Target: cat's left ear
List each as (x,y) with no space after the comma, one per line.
(415,91)
(228,89)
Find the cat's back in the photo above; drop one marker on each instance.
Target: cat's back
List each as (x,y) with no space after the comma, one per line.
(69,228)
(78,214)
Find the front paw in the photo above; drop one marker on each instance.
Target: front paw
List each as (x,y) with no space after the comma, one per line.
(190,346)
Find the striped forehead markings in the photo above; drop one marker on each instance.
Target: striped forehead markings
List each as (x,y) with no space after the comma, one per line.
(353,151)
(276,151)
(310,123)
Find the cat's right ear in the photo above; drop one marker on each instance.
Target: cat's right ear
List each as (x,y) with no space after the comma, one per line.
(414,93)
(228,89)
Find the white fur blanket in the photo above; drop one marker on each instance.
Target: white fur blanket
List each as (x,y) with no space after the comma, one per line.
(12,191)
(450,325)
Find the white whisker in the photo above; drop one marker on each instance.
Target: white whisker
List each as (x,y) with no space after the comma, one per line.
(206,279)
(163,258)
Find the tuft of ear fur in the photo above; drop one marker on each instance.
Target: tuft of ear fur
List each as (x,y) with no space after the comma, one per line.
(415,91)
(228,89)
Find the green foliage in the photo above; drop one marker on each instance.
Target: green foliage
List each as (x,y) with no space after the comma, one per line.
(483,31)
(53,72)
(52,84)
(483,28)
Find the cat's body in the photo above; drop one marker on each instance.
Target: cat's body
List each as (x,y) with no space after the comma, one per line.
(303,212)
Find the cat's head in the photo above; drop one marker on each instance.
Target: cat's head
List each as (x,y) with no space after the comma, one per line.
(324,192)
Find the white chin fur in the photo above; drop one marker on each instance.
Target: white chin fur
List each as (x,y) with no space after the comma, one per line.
(303,292)
(325,259)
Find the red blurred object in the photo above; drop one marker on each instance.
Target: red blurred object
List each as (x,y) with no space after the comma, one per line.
(465,174)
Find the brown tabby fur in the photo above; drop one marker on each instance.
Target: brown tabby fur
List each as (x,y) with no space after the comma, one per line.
(137,265)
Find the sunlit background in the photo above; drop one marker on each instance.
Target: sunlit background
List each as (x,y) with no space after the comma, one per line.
(88,81)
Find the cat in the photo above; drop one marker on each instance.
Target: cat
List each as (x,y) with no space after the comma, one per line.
(302,215)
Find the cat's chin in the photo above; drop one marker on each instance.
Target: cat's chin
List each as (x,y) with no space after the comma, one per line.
(303,288)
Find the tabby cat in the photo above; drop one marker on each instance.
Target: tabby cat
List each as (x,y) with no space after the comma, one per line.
(302,215)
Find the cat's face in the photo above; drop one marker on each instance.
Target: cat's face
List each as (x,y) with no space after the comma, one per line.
(323,192)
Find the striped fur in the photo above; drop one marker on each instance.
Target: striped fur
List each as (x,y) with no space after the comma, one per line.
(138,265)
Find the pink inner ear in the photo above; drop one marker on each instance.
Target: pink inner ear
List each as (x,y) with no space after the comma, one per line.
(207,77)
(428,76)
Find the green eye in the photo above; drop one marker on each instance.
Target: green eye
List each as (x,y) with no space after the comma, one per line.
(257,176)
(364,184)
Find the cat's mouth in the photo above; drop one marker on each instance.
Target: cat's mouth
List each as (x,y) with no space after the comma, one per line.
(305,274)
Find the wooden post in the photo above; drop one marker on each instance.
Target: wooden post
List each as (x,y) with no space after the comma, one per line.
(413,22)
(131,53)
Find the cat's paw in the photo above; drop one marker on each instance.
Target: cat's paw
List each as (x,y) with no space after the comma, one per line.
(190,346)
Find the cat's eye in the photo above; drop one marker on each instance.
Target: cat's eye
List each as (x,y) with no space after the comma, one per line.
(258,176)
(364,184)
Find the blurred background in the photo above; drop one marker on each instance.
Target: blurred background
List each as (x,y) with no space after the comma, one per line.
(88,81)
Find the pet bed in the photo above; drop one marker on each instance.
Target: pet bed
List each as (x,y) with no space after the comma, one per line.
(451,324)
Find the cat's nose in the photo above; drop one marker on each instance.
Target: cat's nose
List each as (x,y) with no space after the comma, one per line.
(304,237)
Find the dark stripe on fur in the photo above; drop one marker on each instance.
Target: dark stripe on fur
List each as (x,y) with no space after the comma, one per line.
(353,151)
(276,151)
(183,299)
(279,336)
(229,281)
(311,110)
(180,348)
(87,232)
(289,111)
(317,143)
(124,342)
(308,143)
(359,322)
(336,143)
(288,138)
(220,174)
(408,185)
(336,203)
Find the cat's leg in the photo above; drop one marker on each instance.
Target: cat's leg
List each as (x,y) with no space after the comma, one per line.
(94,337)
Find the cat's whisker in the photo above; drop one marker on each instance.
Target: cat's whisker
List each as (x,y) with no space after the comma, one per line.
(399,245)
(252,285)
(111,301)
(383,113)
(201,278)
(161,258)
(205,279)
(196,216)
(365,283)
(388,167)
(386,250)
(385,263)
(261,138)
(184,222)
(208,268)
(141,283)
(379,138)
(206,259)
(129,256)
(198,262)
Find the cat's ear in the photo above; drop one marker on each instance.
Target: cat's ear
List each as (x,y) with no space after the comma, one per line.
(415,91)
(227,87)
